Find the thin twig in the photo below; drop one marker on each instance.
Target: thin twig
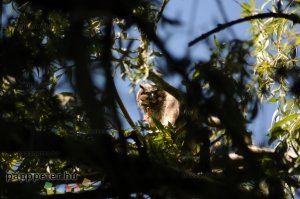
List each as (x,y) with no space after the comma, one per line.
(217,139)
(224,15)
(295,150)
(122,107)
(162,8)
(223,26)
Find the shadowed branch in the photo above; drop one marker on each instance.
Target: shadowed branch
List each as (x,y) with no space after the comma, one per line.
(292,17)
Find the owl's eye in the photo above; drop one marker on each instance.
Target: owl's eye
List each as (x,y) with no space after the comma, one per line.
(152,95)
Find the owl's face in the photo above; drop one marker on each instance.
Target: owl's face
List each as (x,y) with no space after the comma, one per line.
(149,95)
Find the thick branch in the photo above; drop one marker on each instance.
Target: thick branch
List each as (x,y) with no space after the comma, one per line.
(292,17)
(139,175)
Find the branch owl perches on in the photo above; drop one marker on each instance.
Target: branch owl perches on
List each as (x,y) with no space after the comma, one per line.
(159,104)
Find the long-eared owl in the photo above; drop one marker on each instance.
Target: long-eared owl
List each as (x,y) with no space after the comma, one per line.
(159,104)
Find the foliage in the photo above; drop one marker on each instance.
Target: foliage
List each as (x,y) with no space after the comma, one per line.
(276,69)
(208,154)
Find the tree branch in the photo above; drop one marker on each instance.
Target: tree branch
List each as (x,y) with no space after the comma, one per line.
(122,107)
(159,15)
(165,86)
(139,175)
(292,17)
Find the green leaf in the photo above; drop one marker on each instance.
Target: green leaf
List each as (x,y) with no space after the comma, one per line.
(280,123)
(275,133)
(217,43)
(297,41)
(273,100)
(196,74)
(158,124)
(156,53)
(245,6)
(252,4)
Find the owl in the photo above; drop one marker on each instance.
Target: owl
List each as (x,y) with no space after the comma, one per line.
(159,104)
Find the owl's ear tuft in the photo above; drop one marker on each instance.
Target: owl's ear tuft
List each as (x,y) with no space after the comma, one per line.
(142,87)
